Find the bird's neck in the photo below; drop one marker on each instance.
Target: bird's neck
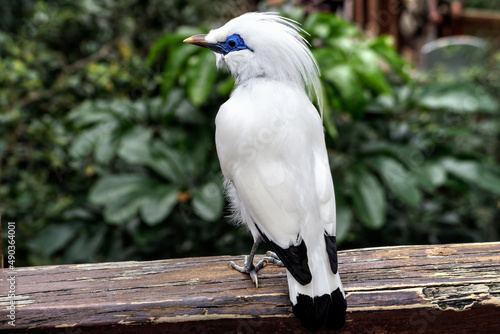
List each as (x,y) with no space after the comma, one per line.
(263,79)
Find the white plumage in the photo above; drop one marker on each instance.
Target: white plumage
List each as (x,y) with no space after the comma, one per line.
(272,152)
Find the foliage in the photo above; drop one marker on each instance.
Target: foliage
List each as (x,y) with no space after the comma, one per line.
(350,65)
(151,168)
(154,136)
(43,74)
(54,56)
(483,4)
(400,142)
(384,169)
(107,152)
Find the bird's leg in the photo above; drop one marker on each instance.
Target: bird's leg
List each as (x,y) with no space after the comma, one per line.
(271,257)
(248,267)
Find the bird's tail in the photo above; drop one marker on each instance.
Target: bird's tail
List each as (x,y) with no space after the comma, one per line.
(321,302)
(316,311)
(316,292)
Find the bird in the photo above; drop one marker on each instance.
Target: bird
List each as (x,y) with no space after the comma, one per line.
(271,147)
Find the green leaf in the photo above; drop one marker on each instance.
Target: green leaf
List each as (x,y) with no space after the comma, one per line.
(85,142)
(397,179)
(208,202)
(201,78)
(124,208)
(89,113)
(460,98)
(328,57)
(328,117)
(159,204)
(466,170)
(135,146)
(400,152)
(480,175)
(367,67)
(323,25)
(226,86)
(431,175)
(53,238)
(122,195)
(344,216)
(169,163)
(86,246)
(185,112)
(368,198)
(349,87)
(174,65)
(490,179)
(110,187)
(106,148)
(159,46)
(383,46)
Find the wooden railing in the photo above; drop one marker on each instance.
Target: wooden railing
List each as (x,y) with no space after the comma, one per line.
(408,289)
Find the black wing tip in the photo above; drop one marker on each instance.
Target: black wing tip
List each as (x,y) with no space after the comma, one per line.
(331,249)
(294,258)
(326,310)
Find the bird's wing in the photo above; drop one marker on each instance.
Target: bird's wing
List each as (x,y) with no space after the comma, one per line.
(270,194)
(325,194)
(276,169)
(268,191)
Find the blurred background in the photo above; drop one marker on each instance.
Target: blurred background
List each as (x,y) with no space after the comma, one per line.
(107,124)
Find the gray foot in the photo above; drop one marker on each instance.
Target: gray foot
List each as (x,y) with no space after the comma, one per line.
(249,268)
(271,257)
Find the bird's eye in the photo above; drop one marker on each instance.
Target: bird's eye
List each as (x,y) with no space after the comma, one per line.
(232,43)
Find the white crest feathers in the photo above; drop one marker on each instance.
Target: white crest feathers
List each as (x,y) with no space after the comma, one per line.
(280,52)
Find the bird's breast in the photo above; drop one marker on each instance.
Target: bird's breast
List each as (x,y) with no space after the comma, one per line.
(267,121)
(245,134)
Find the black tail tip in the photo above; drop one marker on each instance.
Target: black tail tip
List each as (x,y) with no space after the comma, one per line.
(325,310)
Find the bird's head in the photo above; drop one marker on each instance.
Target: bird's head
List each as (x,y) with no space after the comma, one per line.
(263,45)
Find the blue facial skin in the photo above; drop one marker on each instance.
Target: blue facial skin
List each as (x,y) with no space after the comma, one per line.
(232,43)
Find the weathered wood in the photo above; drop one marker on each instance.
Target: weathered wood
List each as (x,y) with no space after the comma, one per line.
(409,289)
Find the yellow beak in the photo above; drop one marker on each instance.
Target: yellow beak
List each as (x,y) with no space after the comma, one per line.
(197,40)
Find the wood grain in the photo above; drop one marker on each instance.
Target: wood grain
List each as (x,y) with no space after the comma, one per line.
(408,289)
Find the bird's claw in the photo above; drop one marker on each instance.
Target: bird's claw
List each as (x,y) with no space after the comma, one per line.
(271,257)
(250,269)
(254,277)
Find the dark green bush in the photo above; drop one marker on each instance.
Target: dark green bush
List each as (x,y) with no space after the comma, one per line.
(483,4)
(107,151)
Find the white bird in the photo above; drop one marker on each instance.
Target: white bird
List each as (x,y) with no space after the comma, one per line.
(271,147)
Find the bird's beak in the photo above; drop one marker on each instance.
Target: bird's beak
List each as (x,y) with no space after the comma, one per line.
(201,41)
(197,40)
